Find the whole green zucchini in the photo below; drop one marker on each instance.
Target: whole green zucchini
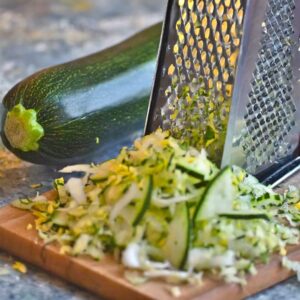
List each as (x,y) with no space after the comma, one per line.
(76,111)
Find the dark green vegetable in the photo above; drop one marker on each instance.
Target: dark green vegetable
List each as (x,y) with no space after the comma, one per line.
(187,168)
(144,203)
(77,111)
(240,215)
(217,198)
(177,244)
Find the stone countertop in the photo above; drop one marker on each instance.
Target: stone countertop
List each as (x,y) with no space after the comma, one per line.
(35,34)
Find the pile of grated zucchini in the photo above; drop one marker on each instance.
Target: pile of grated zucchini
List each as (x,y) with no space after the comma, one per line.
(165,211)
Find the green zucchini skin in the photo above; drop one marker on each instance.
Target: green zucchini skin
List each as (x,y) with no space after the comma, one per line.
(103,96)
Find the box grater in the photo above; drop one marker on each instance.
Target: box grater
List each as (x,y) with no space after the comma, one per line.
(228,80)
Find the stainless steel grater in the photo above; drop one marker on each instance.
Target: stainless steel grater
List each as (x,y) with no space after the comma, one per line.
(228,80)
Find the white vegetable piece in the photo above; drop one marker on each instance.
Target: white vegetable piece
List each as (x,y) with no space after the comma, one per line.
(131,256)
(75,187)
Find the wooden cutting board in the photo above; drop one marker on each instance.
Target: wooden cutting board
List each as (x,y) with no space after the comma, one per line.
(105,278)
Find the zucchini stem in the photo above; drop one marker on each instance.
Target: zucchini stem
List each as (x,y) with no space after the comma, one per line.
(22,129)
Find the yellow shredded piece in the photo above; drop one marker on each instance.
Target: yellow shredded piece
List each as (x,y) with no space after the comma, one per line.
(41,217)
(50,208)
(29,226)
(36,185)
(65,250)
(102,214)
(283,252)
(175,291)
(297,205)
(224,242)
(20,267)
(60,231)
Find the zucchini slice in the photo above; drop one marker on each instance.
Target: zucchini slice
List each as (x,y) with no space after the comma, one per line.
(143,204)
(60,218)
(217,197)
(189,169)
(178,240)
(240,215)
(136,205)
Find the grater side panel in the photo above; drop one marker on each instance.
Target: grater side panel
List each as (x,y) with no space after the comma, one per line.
(295,134)
(296,69)
(263,129)
(233,154)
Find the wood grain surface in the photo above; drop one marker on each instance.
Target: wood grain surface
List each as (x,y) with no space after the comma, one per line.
(106,279)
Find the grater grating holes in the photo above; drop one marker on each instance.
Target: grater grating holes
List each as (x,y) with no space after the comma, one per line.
(202,72)
(272,87)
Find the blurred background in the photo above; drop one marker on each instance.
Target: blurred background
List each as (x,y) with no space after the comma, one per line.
(38,33)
